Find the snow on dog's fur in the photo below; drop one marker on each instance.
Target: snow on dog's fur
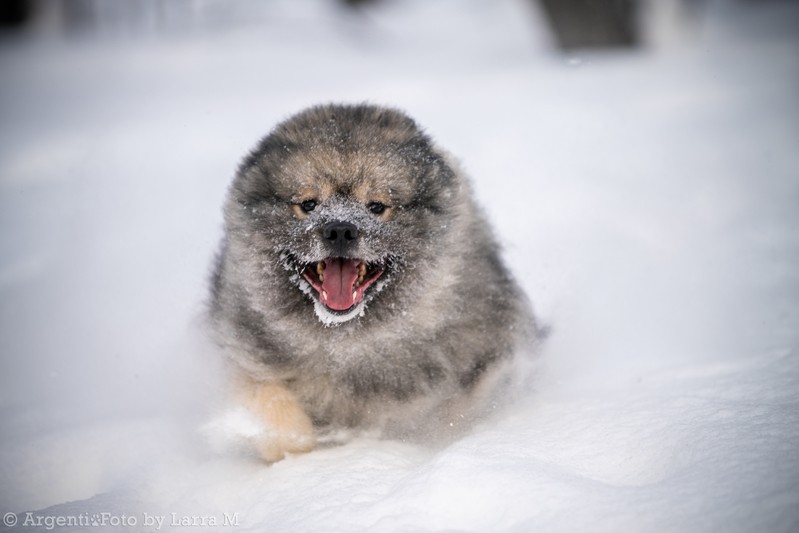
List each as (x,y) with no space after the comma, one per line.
(358,286)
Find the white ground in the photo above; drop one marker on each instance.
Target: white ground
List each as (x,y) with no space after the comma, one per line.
(648,201)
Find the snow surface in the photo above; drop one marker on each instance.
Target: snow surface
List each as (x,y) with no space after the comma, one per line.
(648,201)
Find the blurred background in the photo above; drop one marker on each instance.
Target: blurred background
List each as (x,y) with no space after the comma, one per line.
(639,159)
(573,24)
(121,124)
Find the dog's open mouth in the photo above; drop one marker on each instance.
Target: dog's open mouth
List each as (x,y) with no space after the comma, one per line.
(341,282)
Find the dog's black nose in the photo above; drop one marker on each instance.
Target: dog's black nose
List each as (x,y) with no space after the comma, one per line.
(340,234)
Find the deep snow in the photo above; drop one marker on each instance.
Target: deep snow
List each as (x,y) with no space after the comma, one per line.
(648,202)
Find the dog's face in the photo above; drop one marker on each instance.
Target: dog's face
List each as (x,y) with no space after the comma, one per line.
(347,203)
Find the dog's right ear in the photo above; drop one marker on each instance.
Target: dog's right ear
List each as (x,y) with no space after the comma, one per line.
(254,183)
(253,187)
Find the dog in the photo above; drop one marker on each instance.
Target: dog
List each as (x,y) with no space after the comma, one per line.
(359,288)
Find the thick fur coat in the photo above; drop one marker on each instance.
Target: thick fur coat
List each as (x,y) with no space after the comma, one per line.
(358,286)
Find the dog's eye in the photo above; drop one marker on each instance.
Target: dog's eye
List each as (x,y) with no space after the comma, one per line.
(376,207)
(308,205)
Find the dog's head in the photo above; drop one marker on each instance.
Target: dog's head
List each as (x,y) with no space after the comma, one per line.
(345,200)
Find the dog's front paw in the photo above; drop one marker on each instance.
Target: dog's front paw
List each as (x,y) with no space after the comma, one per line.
(287,429)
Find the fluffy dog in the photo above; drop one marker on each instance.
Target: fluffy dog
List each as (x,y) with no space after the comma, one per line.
(358,286)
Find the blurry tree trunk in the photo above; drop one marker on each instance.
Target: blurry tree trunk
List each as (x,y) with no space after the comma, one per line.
(14,13)
(357,3)
(593,23)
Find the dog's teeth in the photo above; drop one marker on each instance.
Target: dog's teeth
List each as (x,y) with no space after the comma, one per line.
(361,274)
(324,295)
(354,295)
(320,270)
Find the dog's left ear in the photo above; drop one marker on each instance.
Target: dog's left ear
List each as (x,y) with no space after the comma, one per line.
(433,183)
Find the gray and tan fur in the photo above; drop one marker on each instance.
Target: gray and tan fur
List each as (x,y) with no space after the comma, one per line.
(434,315)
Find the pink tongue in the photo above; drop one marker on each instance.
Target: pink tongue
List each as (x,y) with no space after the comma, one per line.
(340,276)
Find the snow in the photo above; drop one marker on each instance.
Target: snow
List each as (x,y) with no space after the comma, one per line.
(647,201)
